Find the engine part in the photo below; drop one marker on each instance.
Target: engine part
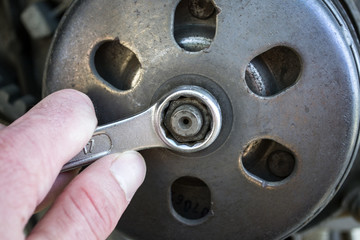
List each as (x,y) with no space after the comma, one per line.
(285,75)
(147,129)
(40,20)
(13,104)
(22,58)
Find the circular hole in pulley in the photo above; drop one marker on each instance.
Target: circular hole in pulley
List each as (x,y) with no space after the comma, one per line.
(268,160)
(273,71)
(195,24)
(190,199)
(117,65)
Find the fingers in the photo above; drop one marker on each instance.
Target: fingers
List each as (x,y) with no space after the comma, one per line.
(93,202)
(60,183)
(34,148)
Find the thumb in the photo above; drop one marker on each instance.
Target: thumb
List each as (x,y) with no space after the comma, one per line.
(94,201)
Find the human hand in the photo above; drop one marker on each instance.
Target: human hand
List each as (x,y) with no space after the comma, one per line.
(32,152)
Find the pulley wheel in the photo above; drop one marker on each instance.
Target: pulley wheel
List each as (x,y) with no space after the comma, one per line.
(285,74)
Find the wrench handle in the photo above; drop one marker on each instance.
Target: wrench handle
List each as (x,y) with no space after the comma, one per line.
(134,133)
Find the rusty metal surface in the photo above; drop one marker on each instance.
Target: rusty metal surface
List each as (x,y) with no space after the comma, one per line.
(203,120)
(316,117)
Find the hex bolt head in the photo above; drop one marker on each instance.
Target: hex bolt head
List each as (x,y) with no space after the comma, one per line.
(281,163)
(186,120)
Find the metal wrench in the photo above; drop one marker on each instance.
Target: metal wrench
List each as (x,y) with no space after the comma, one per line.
(146,130)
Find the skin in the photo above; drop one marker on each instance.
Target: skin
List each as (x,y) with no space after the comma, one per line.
(33,150)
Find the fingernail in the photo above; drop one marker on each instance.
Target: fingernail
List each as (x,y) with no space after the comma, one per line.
(129,170)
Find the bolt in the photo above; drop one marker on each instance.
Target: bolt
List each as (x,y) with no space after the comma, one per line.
(201,9)
(281,163)
(186,120)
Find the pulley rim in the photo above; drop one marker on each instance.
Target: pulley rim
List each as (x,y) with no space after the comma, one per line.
(303,117)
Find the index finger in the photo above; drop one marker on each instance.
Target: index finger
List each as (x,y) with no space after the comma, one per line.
(35,147)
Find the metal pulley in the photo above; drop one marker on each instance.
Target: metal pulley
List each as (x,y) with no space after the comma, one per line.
(284,75)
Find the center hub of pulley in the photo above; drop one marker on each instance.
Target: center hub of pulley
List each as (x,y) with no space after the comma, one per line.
(187,120)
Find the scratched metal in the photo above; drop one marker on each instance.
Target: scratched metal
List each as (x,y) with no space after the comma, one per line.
(316,117)
(99,145)
(119,137)
(146,130)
